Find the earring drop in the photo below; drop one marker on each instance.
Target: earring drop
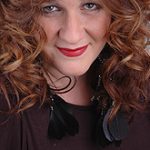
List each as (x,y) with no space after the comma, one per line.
(61,122)
(114,130)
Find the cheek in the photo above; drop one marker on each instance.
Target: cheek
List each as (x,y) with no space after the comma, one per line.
(51,28)
(98,26)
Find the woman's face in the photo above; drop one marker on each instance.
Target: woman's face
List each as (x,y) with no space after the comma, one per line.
(76,34)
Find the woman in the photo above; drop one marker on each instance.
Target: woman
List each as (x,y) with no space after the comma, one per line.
(74,74)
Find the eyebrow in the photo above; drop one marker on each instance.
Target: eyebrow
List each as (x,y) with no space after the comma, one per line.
(81,1)
(50,1)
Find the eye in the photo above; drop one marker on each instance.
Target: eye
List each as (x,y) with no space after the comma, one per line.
(50,9)
(91,6)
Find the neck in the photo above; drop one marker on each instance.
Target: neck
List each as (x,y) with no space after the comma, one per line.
(80,94)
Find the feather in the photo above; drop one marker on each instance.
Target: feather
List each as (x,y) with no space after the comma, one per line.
(105,127)
(119,127)
(113,131)
(61,122)
(100,133)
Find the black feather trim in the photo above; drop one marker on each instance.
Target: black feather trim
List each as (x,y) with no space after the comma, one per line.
(118,127)
(61,122)
(113,131)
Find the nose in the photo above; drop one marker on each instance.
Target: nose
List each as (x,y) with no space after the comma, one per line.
(72,30)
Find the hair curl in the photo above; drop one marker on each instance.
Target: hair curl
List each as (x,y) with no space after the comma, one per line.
(125,73)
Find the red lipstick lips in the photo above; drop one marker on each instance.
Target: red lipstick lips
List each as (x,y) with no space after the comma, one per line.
(72,52)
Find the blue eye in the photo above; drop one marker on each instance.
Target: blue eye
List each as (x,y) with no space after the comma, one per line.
(91,6)
(50,9)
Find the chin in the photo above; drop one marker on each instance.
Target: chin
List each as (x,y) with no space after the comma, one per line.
(75,72)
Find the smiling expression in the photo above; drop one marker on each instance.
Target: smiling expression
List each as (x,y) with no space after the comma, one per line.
(76,33)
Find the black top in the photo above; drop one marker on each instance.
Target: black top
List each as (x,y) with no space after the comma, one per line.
(29,131)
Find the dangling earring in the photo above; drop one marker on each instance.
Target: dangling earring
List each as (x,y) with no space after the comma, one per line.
(117,128)
(61,122)
(107,131)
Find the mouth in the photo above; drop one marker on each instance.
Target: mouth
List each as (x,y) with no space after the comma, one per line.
(72,52)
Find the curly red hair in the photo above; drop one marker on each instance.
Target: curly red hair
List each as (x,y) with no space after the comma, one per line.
(125,73)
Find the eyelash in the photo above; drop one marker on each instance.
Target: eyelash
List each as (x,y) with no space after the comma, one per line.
(54,8)
(50,9)
(94,6)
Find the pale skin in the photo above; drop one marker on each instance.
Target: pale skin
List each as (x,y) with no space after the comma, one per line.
(72,24)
